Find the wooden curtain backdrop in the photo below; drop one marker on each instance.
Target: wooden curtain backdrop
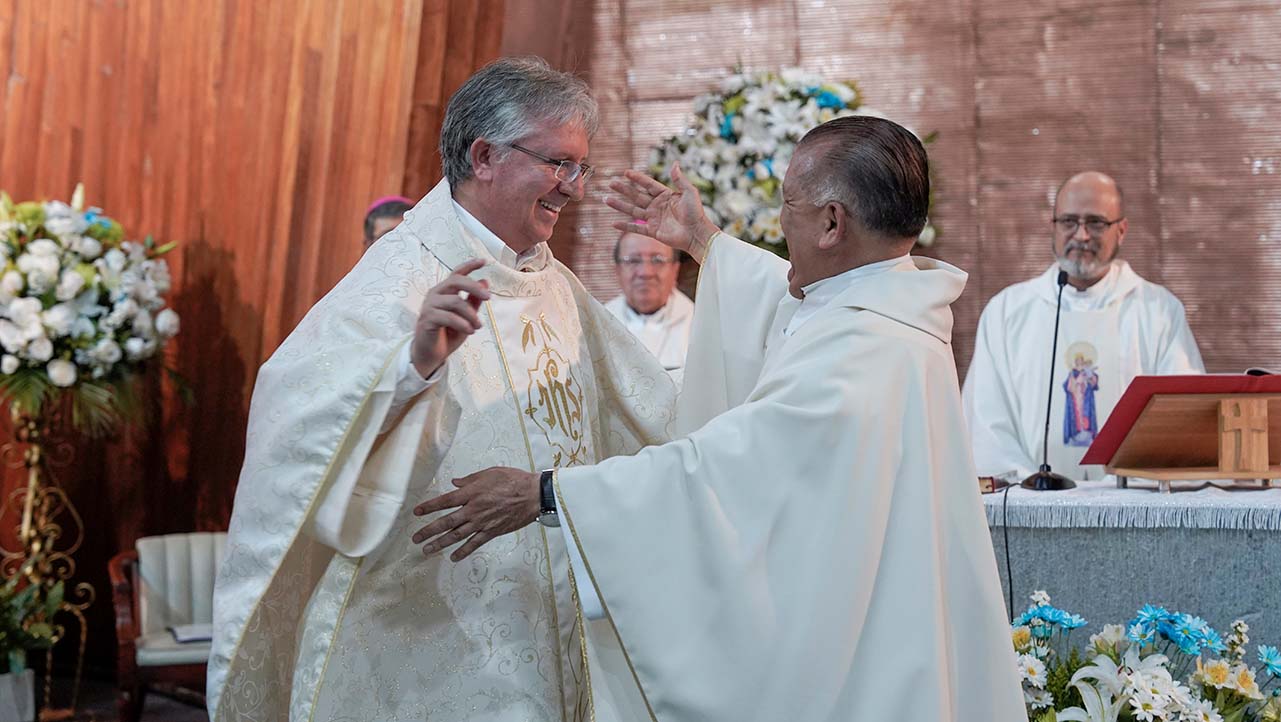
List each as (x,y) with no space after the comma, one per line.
(254,134)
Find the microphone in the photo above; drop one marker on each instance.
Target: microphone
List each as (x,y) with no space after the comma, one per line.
(1045,479)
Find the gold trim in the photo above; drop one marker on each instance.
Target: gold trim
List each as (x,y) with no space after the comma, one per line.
(563,511)
(547,551)
(333,637)
(582,641)
(324,477)
(702,265)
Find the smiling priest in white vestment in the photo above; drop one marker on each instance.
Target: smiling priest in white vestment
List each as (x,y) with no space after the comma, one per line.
(813,546)
(421,365)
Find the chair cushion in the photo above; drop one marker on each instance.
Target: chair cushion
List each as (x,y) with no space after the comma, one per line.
(176,579)
(159,649)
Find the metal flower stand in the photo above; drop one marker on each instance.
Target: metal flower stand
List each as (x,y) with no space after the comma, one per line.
(49,532)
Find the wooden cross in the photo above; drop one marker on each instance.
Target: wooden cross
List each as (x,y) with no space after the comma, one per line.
(1243,435)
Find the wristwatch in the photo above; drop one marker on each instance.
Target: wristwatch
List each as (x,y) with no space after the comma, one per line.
(547,515)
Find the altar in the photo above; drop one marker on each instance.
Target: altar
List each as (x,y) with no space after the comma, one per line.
(1103,552)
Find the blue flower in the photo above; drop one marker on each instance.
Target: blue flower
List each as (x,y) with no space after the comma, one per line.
(1270,658)
(1050,614)
(1213,642)
(1152,615)
(1072,621)
(1042,631)
(1140,633)
(727,127)
(828,99)
(94,216)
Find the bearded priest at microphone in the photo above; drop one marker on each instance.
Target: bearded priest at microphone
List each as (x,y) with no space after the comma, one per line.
(1114,326)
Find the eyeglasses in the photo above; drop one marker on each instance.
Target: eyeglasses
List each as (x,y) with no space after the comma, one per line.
(1094,225)
(637,261)
(567,171)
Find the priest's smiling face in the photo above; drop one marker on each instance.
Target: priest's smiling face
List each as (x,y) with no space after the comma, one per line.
(1088,199)
(519,197)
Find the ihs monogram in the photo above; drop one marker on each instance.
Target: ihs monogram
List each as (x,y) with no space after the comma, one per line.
(555,398)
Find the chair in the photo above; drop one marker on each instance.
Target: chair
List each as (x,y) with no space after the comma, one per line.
(166,581)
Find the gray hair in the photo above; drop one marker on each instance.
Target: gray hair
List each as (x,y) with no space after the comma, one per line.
(875,169)
(502,102)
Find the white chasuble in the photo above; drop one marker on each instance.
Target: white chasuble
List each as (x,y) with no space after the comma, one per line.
(358,625)
(1119,328)
(813,546)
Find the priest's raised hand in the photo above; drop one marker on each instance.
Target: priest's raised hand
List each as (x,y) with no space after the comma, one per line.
(673,216)
(447,317)
(488,503)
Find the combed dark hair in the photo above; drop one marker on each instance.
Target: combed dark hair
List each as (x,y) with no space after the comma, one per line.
(389,209)
(502,102)
(876,169)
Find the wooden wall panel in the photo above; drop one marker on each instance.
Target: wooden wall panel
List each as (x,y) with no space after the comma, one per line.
(254,133)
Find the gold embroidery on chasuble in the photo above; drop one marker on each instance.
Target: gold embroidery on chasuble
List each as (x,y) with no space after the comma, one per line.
(554,397)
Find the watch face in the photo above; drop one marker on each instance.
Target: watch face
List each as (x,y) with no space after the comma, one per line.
(549,518)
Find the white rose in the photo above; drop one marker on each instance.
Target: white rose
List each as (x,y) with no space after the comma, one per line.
(12,283)
(735,203)
(115,260)
(143,324)
(59,319)
(42,270)
(40,349)
(90,248)
(158,273)
(82,328)
(61,372)
(11,336)
(42,247)
(167,324)
(25,314)
(136,252)
(136,348)
(69,285)
(63,226)
(106,351)
(9,363)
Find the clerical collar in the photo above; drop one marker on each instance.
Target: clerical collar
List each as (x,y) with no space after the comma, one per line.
(820,293)
(660,315)
(1098,296)
(501,252)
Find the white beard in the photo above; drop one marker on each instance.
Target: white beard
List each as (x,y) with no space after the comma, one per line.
(1082,268)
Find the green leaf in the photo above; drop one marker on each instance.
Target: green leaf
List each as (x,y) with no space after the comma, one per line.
(164,249)
(27,388)
(54,600)
(40,630)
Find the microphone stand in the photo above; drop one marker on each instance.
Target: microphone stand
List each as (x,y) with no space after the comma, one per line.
(1044,479)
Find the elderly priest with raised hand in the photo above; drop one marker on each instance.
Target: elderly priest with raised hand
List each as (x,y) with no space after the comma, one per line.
(1115,325)
(813,546)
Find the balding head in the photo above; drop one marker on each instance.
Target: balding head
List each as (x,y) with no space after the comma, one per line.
(1089,226)
(1096,186)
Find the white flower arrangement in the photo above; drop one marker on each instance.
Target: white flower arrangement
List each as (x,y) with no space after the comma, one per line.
(81,309)
(740,141)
